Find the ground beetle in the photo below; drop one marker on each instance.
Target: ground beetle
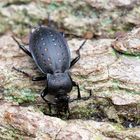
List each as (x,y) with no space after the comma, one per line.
(49,49)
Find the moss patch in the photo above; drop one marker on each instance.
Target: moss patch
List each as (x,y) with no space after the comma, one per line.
(22,96)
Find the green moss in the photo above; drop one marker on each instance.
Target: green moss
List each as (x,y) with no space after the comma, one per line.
(113,52)
(3,27)
(55,6)
(118,127)
(44,109)
(106,21)
(98,138)
(81,11)
(129,54)
(83,112)
(20,20)
(134,92)
(20,96)
(115,84)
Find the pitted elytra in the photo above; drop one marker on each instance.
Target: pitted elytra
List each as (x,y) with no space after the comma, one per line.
(49,49)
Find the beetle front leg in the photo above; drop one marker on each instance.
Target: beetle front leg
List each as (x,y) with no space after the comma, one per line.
(79,95)
(78,53)
(78,89)
(43,94)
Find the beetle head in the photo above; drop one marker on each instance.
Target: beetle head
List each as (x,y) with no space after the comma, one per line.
(62,104)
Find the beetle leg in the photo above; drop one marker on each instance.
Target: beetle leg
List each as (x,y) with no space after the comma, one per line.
(86,98)
(78,53)
(28,75)
(79,95)
(18,70)
(78,89)
(39,78)
(43,94)
(22,47)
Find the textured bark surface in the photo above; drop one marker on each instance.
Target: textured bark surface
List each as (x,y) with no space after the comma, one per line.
(109,67)
(26,123)
(108,75)
(128,43)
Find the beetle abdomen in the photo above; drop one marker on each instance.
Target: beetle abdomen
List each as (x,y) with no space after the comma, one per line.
(49,50)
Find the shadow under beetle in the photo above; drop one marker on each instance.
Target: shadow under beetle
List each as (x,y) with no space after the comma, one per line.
(49,49)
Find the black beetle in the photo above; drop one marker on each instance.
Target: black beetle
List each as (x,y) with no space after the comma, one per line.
(49,49)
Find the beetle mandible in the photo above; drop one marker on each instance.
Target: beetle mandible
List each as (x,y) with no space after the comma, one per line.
(49,49)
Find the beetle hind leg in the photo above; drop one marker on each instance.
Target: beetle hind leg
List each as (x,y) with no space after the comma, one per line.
(18,70)
(40,78)
(78,53)
(22,47)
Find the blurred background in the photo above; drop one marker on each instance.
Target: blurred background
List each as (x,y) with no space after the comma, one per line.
(77,18)
(108,66)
